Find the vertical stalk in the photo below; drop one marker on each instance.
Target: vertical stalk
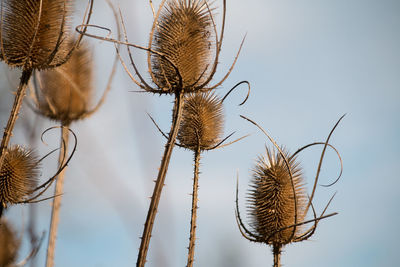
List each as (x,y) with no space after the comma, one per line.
(19,96)
(26,74)
(277,249)
(193,226)
(55,212)
(155,199)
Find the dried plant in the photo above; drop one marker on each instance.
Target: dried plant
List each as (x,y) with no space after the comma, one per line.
(75,78)
(201,129)
(9,244)
(277,200)
(32,36)
(179,62)
(72,103)
(18,175)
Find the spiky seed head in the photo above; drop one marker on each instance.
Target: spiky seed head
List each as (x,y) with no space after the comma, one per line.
(34,39)
(9,244)
(183,34)
(18,175)
(202,121)
(66,91)
(271,198)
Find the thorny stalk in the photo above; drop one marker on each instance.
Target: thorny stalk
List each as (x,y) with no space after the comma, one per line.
(193,226)
(155,199)
(277,249)
(58,191)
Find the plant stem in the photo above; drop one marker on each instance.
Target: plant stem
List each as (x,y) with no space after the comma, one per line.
(193,226)
(155,199)
(58,191)
(26,74)
(277,255)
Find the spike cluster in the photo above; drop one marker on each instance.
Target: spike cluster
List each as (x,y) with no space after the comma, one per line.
(202,121)
(33,31)
(18,175)
(183,35)
(272,202)
(66,91)
(9,244)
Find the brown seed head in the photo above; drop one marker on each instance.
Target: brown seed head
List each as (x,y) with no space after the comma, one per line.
(202,121)
(67,90)
(9,244)
(271,200)
(33,32)
(183,35)
(18,175)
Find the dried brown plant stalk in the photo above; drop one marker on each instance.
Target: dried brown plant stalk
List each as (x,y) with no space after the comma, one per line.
(58,191)
(180,60)
(32,36)
(66,106)
(277,199)
(201,129)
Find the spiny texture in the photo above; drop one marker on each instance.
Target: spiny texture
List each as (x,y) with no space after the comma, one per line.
(66,91)
(271,200)
(8,244)
(202,122)
(33,32)
(183,36)
(18,175)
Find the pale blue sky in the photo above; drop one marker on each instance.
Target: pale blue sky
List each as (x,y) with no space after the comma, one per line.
(309,62)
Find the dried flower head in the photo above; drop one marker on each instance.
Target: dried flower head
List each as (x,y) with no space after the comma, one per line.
(277,198)
(202,121)
(9,244)
(183,35)
(18,175)
(66,92)
(33,32)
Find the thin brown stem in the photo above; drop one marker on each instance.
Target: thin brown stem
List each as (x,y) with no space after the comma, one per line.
(155,199)
(19,96)
(193,226)
(277,249)
(26,74)
(58,191)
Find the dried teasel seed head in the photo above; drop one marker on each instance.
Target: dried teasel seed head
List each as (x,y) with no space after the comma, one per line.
(18,175)
(32,32)
(66,91)
(202,121)
(271,199)
(9,244)
(183,35)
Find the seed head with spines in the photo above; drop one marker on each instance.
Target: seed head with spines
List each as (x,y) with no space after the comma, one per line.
(66,91)
(183,35)
(33,32)
(275,198)
(18,175)
(9,244)
(202,122)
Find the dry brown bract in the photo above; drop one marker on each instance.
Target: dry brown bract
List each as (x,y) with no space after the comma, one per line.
(33,33)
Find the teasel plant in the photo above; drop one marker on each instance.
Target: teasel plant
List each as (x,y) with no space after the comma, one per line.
(10,246)
(72,103)
(19,175)
(200,130)
(182,57)
(278,203)
(32,37)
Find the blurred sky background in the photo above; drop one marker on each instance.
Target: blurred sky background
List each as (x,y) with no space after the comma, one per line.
(308,62)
